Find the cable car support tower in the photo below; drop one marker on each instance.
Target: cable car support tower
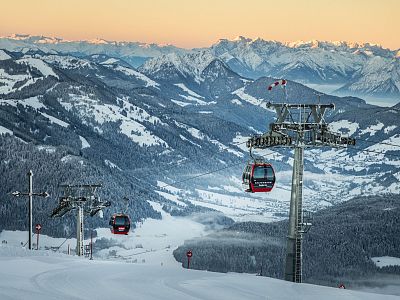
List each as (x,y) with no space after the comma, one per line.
(81,198)
(298,126)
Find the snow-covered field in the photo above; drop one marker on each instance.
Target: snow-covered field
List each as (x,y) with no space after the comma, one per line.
(142,267)
(56,277)
(385,261)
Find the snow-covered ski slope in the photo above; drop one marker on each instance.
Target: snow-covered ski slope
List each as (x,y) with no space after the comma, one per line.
(148,271)
(48,277)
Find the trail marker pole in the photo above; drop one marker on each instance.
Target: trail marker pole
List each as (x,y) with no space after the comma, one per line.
(91,245)
(189,254)
(38,227)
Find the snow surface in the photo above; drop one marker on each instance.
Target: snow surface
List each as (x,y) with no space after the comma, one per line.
(171,197)
(67,62)
(241,207)
(180,103)
(33,102)
(47,148)
(143,269)
(94,112)
(55,120)
(385,146)
(94,46)
(9,80)
(222,147)
(193,97)
(385,261)
(240,141)
(112,165)
(246,97)
(187,140)
(197,101)
(236,101)
(168,187)
(250,99)
(201,136)
(72,159)
(4,130)
(4,56)
(189,91)
(389,129)
(85,143)
(56,277)
(131,72)
(372,129)
(109,61)
(344,125)
(193,63)
(138,134)
(38,64)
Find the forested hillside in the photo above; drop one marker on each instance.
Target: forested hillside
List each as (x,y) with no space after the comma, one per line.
(338,247)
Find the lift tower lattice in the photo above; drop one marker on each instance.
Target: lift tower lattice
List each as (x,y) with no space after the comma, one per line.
(82,198)
(298,126)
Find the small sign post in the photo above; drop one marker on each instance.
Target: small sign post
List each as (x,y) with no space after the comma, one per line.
(38,227)
(91,245)
(189,254)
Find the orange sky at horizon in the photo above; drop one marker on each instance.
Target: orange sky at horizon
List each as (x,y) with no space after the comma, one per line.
(189,24)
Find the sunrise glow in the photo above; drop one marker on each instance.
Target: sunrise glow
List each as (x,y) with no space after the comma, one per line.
(188,23)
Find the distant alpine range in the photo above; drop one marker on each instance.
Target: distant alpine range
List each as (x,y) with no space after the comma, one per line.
(341,68)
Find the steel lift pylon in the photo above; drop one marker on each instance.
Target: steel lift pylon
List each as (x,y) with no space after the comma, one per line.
(298,126)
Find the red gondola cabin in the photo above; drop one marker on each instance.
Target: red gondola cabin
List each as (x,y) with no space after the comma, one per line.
(258,177)
(120,224)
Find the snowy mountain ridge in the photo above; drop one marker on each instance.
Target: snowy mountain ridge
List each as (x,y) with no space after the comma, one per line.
(43,40)
(373,76)
(191,64)
(350,66)
(332,45)
(323,44)
(353,65)
(133,52)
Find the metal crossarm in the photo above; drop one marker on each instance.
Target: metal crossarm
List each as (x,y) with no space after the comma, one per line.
(270,139)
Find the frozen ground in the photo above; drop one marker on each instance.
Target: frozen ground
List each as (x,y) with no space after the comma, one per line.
(141,268)
(51,277)
(385,261)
